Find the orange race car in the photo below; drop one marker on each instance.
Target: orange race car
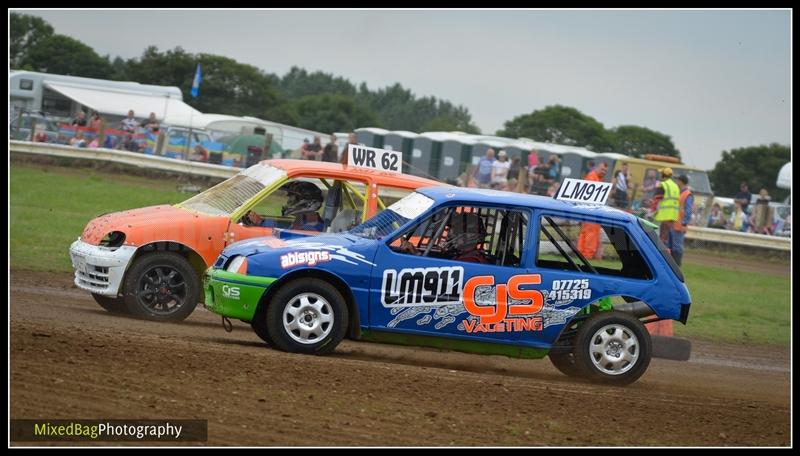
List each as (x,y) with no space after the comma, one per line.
(149,262)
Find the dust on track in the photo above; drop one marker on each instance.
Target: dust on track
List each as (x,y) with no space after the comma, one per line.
(71,359)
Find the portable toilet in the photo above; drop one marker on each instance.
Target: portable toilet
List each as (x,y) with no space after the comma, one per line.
(513,147)
(574,161)
(402,141)
(371,137)
(447,154)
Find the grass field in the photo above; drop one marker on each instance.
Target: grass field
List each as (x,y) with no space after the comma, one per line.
(50,206)
(737,306)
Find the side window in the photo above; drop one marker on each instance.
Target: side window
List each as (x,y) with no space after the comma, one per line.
(469,234)
(295,205)
(344,205)
(575,245)
(308,204)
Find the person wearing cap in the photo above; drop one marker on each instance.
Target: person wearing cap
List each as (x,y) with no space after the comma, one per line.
(500,169)
(667,205)
(589,239)
(685,206)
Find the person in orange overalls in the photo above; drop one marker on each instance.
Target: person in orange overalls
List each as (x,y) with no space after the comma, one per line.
(589,238)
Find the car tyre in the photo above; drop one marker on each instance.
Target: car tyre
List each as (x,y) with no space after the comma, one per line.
(612,348)
(113,305)
(565,363)
(307,316)
(161,286)
(259,325)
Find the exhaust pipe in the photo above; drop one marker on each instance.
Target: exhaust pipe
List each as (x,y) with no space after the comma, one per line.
(636,308)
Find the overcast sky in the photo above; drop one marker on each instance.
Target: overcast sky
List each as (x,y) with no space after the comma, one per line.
(712,80)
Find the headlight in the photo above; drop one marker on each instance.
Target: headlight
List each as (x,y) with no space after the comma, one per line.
(113,239)
(238,265)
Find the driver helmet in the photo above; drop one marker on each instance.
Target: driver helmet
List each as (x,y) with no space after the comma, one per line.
(466,232)
(301,197)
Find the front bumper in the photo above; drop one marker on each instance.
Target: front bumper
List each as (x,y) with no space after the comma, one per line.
(99,269)
(234,295)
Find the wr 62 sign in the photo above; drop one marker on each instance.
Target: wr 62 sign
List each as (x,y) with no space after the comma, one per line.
(390,161)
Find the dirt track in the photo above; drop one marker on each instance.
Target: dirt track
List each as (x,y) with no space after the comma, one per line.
(71,359)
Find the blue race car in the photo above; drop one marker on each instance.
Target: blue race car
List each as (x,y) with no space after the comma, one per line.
(464,269)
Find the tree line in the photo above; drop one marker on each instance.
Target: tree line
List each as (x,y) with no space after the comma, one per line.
(313,100)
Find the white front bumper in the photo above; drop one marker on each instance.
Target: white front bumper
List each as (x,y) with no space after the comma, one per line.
(99,269)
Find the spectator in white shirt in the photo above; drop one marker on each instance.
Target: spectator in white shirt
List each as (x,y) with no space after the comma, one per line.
(500,169)
(129,123)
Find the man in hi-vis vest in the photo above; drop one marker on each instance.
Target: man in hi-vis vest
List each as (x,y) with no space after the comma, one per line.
(667,212)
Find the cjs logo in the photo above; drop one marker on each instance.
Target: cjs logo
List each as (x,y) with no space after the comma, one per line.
(495,318)
(231,292)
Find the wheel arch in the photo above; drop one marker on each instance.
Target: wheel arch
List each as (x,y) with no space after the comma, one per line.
(353,324)
(637,307)
(196,261)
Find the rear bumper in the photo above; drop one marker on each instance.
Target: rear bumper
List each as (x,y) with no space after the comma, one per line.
(99,269)
(685,312)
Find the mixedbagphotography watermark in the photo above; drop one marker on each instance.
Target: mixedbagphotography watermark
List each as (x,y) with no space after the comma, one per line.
(109,430)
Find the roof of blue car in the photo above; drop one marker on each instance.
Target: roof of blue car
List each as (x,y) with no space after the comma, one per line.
(485,196)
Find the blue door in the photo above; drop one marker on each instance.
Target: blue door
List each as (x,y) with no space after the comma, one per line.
(464,276)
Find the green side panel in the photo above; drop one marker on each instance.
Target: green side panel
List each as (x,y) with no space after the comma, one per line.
(221,274)
(234,295)
(468,346)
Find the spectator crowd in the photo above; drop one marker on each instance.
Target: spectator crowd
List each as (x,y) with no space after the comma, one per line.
(95,131)
(751,214)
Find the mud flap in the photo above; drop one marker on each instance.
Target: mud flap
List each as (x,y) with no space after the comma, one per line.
(670,347)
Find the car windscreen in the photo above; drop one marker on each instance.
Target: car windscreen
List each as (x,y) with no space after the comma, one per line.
(226,197)
(396,215)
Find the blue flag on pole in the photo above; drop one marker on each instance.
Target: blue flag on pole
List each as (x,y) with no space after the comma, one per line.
(196,83)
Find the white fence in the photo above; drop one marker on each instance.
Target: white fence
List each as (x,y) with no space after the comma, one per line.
(697,233)
(205,169)
(125,157)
